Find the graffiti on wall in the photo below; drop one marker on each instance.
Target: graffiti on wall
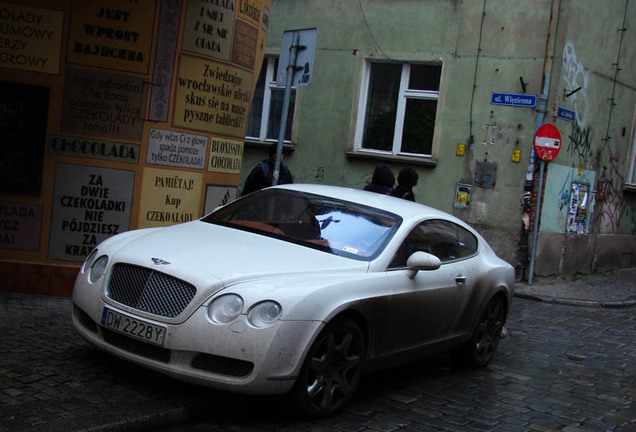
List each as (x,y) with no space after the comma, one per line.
(576,78)
(610,191)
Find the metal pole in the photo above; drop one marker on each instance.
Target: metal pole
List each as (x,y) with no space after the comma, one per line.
(291,70)
(537,216)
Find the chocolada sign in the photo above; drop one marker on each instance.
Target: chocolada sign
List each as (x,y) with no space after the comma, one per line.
(547,142)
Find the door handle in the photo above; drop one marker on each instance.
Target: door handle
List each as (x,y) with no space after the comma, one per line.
(460,279)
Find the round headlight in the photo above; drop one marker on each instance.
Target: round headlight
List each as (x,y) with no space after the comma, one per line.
(98,269)
(264,314)
(89,260)
(225,309)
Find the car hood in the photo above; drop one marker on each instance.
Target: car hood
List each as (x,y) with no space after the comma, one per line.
(214,256)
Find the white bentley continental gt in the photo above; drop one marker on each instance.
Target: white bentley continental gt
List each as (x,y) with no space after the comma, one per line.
(295,289)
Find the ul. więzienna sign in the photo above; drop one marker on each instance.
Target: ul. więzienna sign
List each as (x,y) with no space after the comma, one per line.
(134,115)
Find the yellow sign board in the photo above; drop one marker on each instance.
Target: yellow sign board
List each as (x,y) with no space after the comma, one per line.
(212,97)
(31,38)
(116,34)
(169,197)
(225,156)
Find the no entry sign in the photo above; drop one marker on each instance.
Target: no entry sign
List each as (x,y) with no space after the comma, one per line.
(547,142)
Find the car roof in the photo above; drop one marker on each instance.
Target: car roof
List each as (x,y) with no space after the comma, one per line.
(406,209)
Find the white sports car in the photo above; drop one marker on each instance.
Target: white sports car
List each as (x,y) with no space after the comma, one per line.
(295,288)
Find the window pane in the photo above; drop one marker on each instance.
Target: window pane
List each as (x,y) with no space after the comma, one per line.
(467,242)
(419,122)
(256,111)
(425,77)
(379,124)
(276,112)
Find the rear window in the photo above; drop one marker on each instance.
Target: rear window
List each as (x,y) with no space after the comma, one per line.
(332,225)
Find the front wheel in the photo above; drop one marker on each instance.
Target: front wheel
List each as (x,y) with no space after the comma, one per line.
(331,372)
(482,346)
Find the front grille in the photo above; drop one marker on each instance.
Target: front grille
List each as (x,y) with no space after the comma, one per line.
(148,290)
(222,365)
(133,346)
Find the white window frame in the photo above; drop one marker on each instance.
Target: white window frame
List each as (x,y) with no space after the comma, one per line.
(403,95)
(270,86)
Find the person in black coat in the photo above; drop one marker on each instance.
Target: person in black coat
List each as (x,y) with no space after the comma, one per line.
(407,178)
(382,180)
(262,175)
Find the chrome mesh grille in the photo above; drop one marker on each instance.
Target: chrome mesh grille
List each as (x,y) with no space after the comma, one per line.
(148,290)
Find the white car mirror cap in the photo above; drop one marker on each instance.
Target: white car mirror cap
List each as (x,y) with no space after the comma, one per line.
(422,261)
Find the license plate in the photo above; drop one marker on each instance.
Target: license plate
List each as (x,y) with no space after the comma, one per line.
(133,327)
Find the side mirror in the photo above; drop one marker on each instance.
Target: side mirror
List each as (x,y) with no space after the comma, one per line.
(422,261)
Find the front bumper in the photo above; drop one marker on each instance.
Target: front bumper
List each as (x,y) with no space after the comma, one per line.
(235,357)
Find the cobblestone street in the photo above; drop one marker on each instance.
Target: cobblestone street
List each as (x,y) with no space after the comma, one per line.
(561,368)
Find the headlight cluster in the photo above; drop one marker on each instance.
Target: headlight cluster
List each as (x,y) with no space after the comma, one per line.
(229,307)
(95,267)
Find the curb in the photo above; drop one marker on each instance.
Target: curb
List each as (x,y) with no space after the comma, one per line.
(578,302)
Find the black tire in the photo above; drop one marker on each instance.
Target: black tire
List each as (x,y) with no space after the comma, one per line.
(481,348)
(331,372)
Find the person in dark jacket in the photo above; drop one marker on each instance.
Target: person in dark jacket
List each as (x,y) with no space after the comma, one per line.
(407,178)
(382,180)
(262,175)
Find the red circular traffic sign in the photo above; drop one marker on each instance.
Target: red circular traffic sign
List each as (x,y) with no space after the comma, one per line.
(547,142)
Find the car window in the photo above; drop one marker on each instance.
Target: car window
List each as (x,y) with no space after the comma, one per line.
(335,226)
(446,240)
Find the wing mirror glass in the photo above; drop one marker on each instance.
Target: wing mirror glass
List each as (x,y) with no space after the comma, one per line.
(422,261)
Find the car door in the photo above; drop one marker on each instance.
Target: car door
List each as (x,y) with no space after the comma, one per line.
(425,310)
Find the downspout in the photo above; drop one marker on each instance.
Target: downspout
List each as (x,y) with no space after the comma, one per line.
(539,120)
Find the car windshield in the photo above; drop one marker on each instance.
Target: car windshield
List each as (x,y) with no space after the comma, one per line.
(335,226)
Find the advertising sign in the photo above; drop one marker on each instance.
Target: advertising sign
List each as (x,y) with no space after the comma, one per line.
(169,197)
(90,204)
(30,38)
(114,34)
(176,149)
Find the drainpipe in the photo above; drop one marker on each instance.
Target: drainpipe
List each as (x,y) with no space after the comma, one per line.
(539,120)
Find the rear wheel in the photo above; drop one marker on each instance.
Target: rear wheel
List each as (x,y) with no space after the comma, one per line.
(331,372)
(482,346)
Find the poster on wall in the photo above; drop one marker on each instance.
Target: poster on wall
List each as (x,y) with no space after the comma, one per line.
(114,34)
(169,197)
(23,122)
(31,38)
(577,212)
(90,204)
(209,27)
(176,149)
(226,156)
(212,97)
(244,47)
(103,104)
(20,226)
(218,195)
(93,149)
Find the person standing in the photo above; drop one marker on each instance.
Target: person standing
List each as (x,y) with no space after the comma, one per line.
(262,175)
(407,178)
(382,181)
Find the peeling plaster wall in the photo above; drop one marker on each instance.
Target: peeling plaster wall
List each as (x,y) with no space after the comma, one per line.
(484,47)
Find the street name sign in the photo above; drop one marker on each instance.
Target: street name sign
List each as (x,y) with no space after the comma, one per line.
(514,99)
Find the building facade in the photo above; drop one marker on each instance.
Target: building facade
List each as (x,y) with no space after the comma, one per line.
(457,90)
(117,115)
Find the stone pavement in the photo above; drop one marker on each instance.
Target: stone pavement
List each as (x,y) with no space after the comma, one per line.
(50,381)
